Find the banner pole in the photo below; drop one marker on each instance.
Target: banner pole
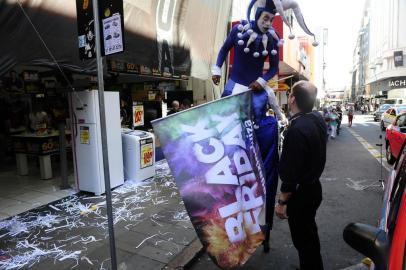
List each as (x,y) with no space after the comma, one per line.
(100,82)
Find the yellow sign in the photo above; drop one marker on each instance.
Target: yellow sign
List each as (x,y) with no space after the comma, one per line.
(138,115)
(84,135)
(147,155)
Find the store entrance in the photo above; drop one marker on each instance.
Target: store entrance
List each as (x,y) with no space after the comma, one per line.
(32,118)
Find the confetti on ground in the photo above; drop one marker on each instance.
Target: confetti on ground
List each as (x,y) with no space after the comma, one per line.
(67,230)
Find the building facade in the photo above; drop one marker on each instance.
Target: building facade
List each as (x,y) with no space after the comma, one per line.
(380,50)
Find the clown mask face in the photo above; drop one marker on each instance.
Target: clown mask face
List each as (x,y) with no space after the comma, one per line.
(265,21)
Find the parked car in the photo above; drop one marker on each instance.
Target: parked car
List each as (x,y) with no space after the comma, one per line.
(395,136)
(378,113)
(390,115)
(385,245)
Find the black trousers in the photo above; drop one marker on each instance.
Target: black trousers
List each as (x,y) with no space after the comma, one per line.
(301,209)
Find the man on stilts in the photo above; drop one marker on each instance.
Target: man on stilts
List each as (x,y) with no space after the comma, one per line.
(253,42)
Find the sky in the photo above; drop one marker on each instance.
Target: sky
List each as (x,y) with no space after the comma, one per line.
(342,18)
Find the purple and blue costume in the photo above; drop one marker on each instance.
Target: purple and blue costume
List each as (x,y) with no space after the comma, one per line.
(252,46)
(253,42)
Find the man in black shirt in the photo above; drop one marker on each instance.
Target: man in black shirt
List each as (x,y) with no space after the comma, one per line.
(301,165)
(175,107)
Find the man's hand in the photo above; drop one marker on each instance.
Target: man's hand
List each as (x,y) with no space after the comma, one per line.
(255,86)
(216,79)
(280,211)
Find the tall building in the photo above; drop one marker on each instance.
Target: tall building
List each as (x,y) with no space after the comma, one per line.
(359,90)
(381,71)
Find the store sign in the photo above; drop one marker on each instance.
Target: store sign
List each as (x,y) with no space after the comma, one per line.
(138,115)
(147,153)
(86,32)
(398,56)
(388,84)
(113,35)
(131,68)
(165,21)
(397,83)
(214,157)
(30,76)
(111,27)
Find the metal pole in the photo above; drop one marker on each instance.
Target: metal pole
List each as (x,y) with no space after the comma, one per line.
(104,136)
(381,180)
(324,62)
(62,156)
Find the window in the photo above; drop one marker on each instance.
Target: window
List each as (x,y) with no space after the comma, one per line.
(400,109)
(400,122)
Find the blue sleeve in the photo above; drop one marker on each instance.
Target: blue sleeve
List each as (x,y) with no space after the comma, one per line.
(225,49)
(273,62)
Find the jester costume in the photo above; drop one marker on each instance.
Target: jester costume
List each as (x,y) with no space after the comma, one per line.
(253,42)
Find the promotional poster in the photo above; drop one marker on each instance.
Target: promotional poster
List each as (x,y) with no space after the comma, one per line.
(213,155)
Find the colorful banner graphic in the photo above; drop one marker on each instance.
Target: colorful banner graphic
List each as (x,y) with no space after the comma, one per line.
(214,158)
(138,115)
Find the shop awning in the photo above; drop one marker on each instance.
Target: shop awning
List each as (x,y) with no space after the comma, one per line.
(283,87)
(32,29)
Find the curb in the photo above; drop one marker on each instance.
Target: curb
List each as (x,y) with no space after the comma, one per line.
(360,266)
(186,256)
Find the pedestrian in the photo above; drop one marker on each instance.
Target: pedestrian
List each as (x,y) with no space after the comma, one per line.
(301,165)
(350,115)
(175,107)
(340,118)
(186,104)
(333,123)
(326,116)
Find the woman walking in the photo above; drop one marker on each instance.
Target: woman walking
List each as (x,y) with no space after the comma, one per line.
(333,123)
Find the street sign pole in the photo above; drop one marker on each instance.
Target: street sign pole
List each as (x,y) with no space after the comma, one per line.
(100,81)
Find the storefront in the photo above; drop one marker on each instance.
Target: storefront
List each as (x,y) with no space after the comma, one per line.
(166,58)
(393,88)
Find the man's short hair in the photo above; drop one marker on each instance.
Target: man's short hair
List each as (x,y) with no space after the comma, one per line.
(175,104)
(186,103)
(305,94)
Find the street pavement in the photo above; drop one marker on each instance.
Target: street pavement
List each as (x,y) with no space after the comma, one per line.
(351,193)
(152,230)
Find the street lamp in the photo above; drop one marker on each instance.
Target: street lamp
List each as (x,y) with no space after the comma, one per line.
(325,38)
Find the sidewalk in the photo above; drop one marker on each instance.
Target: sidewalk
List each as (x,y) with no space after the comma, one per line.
(152,230)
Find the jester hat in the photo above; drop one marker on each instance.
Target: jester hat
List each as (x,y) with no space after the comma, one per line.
(279,6)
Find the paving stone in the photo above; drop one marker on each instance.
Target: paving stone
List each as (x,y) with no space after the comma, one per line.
(157,254)
(149,227)
(184,237)
(161,233)
(360,266)
(129,241)
(18,208)
(4,216)
(50,263)
(140,262)
(103,255)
